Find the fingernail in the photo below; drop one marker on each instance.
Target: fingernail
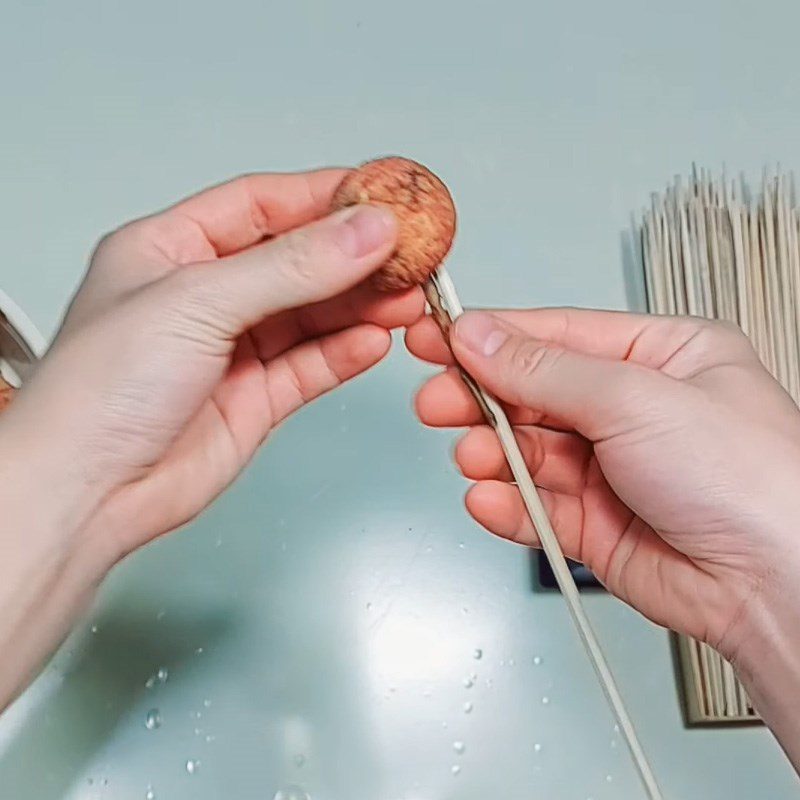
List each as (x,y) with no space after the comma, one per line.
(363,229)
(480,332)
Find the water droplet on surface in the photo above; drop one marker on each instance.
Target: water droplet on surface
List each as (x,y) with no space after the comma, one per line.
(150,682)
(299,760)
(545,700)
(94,628)
(218,543)
(149,794)
(468,682)
(616,729)
(459,747)
(468,708)
(207,703)
(537,660)
(537,747)
(455,769)
(152,719)
(292,793)
(461,545)
(609,778)
(369,606)
(510,662)
(210,738)
(192,766)
(199,651)
(160,615)
(162,675)
(477,654)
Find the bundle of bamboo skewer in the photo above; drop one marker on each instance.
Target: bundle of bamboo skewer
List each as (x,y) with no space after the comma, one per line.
(713,248)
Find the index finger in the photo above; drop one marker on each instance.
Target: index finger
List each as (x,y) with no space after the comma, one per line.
(244,211)
(606,334)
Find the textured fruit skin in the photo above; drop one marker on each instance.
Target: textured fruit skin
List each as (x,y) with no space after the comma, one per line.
(425,214)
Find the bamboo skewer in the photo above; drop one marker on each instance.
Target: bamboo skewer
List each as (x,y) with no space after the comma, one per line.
(716,249)
(446,308)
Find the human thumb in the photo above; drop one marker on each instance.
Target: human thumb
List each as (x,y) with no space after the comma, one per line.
(595,396)
(307,265)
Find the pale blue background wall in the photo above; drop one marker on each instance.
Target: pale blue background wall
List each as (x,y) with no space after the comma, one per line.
(335,606)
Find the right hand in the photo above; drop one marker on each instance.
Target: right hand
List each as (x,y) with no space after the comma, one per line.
(668,458)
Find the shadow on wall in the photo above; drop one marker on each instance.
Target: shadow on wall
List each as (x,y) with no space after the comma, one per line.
(57,740)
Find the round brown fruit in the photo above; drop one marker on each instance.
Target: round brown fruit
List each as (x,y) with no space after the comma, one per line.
(426,216)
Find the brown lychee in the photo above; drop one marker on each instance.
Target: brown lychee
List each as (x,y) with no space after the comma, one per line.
(424,209)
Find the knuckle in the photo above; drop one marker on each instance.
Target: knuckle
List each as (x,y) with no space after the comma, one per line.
(114,244)
(721,328)
(294,257)
(108,246)
(103,246)
(530,358)
(703,340)
(722,333)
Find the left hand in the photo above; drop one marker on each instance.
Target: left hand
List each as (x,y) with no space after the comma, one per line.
(195,332)
(198,330)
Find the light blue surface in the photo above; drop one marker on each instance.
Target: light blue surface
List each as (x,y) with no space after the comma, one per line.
(336,610)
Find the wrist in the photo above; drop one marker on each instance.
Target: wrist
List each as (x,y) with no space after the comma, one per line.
(49,506)
(41,468)
(48,568)
(765,655)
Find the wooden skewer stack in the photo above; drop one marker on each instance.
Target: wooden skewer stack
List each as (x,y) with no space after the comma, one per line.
(712,248)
